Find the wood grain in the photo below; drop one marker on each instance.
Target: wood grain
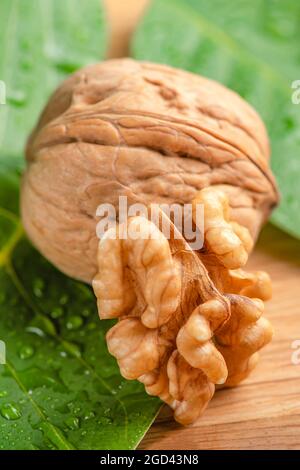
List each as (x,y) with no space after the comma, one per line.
(264,411)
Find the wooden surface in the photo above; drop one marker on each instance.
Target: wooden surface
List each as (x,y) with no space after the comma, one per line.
(264,411)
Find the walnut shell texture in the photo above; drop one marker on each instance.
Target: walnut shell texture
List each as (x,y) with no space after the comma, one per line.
(188,321)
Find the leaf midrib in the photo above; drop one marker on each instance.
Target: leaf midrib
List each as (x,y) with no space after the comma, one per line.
(6,253)
(65,444)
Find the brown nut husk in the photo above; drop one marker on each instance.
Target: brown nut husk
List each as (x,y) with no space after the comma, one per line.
(188,320)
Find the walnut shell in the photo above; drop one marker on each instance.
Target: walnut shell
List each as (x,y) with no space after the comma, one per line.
(147,131)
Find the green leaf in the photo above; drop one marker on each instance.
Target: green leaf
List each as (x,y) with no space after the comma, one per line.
(40,42)
(253,48)
(60,388)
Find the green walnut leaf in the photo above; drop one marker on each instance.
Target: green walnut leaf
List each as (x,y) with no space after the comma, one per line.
(59,388)
(40,42)
(251,47)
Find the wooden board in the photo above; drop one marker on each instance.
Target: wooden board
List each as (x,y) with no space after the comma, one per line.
(264,411)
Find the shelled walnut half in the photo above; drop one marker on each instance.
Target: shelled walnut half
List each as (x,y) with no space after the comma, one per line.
(189,319)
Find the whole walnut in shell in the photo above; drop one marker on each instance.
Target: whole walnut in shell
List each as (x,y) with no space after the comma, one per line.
(188,319)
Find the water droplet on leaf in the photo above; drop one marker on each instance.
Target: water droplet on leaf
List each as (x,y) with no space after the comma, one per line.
(38,287)
(72,348)
(57,312)
(89,415)
(104,420)
(26,352)
(42,325)
(64,299)
(74,322)
(72,422)
(77,410)
(35,330)
(86,312)
(10,411)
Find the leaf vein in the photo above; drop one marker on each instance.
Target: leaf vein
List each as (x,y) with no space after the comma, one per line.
(65,444)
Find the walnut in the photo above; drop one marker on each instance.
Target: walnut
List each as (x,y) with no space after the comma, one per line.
(188,319)
(185,336)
